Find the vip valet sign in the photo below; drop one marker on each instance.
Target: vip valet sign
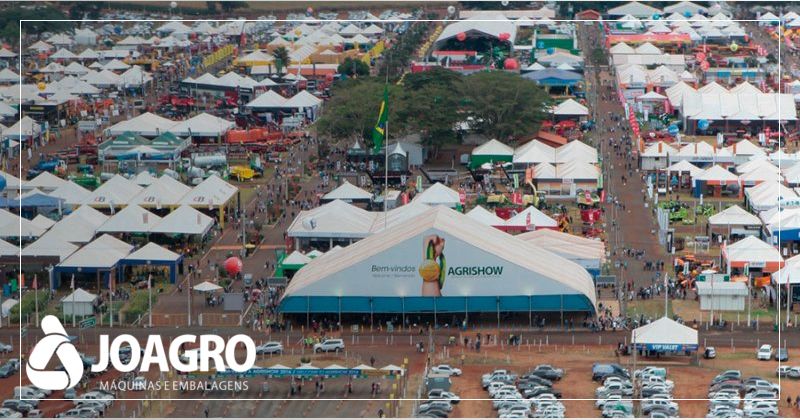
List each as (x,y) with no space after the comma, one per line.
(212,350)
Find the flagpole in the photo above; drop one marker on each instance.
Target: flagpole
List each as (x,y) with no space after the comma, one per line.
(150,299)
(72,286)
(386,153)
(36,298)
(111,285)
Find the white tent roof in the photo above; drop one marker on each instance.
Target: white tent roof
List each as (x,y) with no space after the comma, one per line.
(647,49)
(565,245)
(768,194)
(12,226)
(79,296)
(207,286)
(184,220)
(734,216)
(485,217)
(79,226)
(43,221)
(104,252)
(437,194)
(545,273)
(131,219)
(117,191)
(634,8)
(493,147)
(717,173)
(652,96)
(7,249)
(302,99)
(211,192)
(202,125)
(538,219)
(570,107)
(576,151)
(534,151)
(72,193)
(5,53)
(336,219)
(297,258)
(164,191)
(347,192)
(147,124)
(144,178)
(664,331)
(268,99)
(685,166)
(153,252)
(746,148)
(622,48)
(116,65)
(757,164)
(488,23)
(76,68)
(752,249)
(63,54)
(46,181)
(51,244)
(8,76)
(89,54)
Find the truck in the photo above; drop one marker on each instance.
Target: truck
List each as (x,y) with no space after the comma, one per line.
(207,160)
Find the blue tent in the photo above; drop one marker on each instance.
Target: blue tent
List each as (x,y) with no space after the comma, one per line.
(554,77)
(153,254)
(36,199)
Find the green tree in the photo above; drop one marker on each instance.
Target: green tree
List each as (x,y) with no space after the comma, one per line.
(352,111)
(282,59)
(504,105)
(229,6)
(49,16)
(211,6)
(352,67)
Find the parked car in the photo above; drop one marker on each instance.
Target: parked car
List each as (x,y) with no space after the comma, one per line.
(437,404)
(782,354)
(649,405)
(548,372)
(271,347)
(710,353)
(504,378)
(18,405)
(533,380)
(7,370)
(764,352)
(782,371)
(7,413)
(331,344)
(34,414)
(446,369)
(95,405)
(794,373)
(438,394)
(85,412)
(6,348)
(602,370)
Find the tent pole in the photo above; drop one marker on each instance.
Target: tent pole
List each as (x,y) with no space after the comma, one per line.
(498,315)
(340,313)
(562,311)
(308,312)
(530,312)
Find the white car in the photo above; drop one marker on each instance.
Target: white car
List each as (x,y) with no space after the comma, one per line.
(332,344)
(764,352)
(272,347)
(439,394)
(439,405)
(447,370)
(6,348)
(611,401)
(7,413)
(501,389)
(95,396)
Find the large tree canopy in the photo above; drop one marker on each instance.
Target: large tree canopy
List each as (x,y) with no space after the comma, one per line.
(433,103)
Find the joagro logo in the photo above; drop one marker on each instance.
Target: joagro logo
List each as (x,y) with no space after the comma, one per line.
(212,350)
(55,342)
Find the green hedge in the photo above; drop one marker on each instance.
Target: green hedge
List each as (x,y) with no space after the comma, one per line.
(27,306)
(138,305)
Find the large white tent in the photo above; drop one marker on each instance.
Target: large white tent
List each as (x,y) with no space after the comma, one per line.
(164,191)
(102,253)
(485,217)
(734,216)
(487,270)
(202,125)
(79,303)
(117,191)
(147,125)
(348,193)
(767,195)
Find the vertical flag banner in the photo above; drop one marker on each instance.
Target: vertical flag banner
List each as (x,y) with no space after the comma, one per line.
(379,132)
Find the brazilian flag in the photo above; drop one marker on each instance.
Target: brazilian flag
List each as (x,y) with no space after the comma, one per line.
(379,132)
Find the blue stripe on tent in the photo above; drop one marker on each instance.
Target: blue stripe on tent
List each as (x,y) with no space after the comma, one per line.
(447,304)
(359,304)
(387,305)
(328,304)
(450,304)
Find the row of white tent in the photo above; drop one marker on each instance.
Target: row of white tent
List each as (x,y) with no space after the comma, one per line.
(151,125)
(744,102)
(142,190)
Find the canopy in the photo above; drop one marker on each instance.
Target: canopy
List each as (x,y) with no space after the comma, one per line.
(437,194)
(131,219)
(165,191)
(46,181)
(147,124)
(571,107)
(115,192)
(685,166)
(102,253)
(206,286)
(13,226)
(485,217)
(267,100)
(755,252)
(72,193)
(529,219)
(665,334)
(213,191)
(79,296)
(295,261)
(152,253)
(717,173)
(202,125)
(492,150)
(734,216)
(336,219)
(347,192)
(185,220)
